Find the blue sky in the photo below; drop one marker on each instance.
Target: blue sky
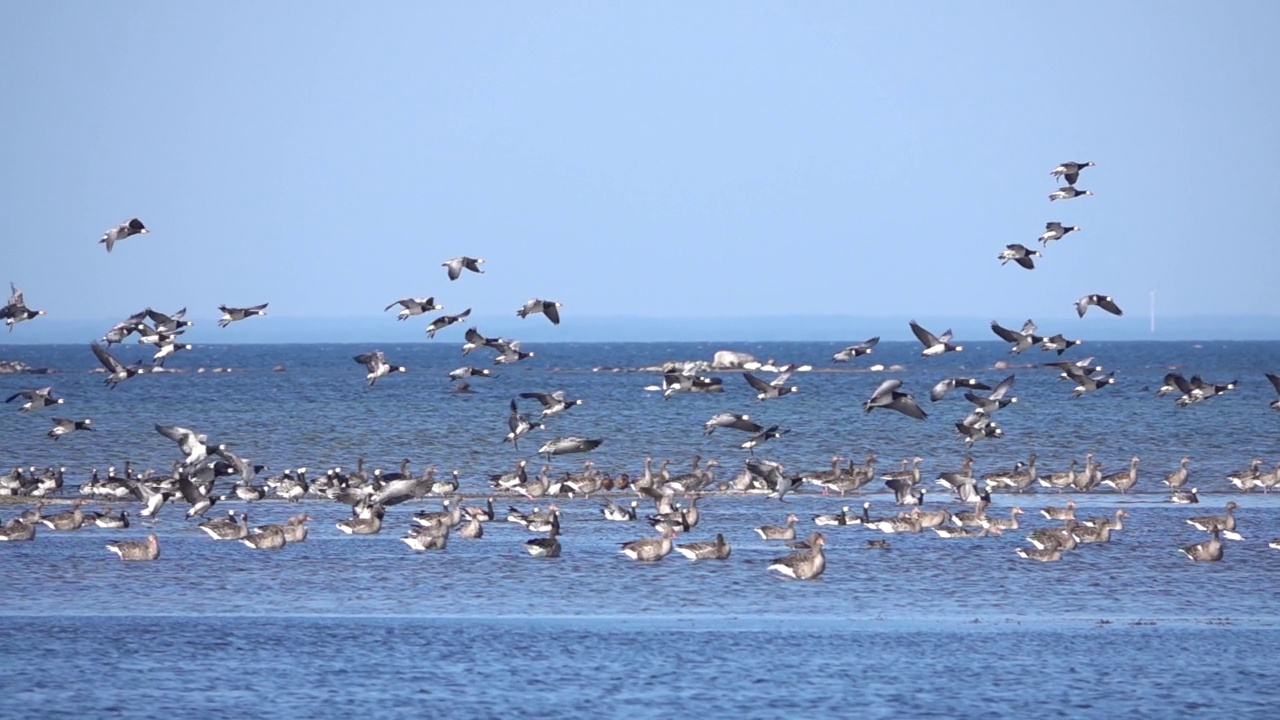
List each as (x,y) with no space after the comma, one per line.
(639,159)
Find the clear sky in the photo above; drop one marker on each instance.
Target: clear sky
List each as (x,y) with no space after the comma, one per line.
(660,159)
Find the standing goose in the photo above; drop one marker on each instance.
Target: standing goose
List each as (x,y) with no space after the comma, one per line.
(36,399)
(547,307)
(116,371)
(1070,171)
(1208,551)
(1124,480)
(230,314)
(649,549)
(376,363)
(1067,193)
(1106,302)
(1178,478)
(716,549)
(148,549)
(1020,254)
(1056,231)
(413,307)
(933,345)
(126,229)
(456,265)
(779,532)
(806,564)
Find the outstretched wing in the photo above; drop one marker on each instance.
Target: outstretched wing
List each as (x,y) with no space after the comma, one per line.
(757,383)
(1005,333)
(552,312)
(924,336)
(105,358)
(1002,388)
(1110,306)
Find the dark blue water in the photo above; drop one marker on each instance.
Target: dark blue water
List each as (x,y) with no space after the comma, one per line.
(342,625)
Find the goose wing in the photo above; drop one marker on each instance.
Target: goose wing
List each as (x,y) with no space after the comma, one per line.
(924,336)
(552,311)
(105,358)
(1109,305)
(757,383)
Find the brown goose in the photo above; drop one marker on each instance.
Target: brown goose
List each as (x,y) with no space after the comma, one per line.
(1063,513)
(1208,551)
(803,565)
(473,529)
(649,549)
(233,527)
(148,549)
(1003,524)
(1124,480)
(779,532)
(1041,555)
(1225,523)
(65,520)
(268,537)
(17,529)
(716,549)
(369,525)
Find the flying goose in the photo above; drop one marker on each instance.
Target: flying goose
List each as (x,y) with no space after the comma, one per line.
(123,329)
(716,549)
(978,426)
(148,549)
(1058,343)
(1103,301)
(762,437)
(552,403)
(1070,171)
(126,229)
(1066,193)
(36,399)
(376,363)
(940,390)
(773,389)
(1208,551)
(64,426)
(519,424)
(567,445)
(1019,340)
(649,549)
(467,371)
(934,345)
(445,321)
(736,421)
(888,396)
(16,310)
(806,564)
(116,371)
(1075,371)
(456,265)
(1275,383)
(1056,231)
(170,324)
(854,351)
(230,314)
(547,307)
(1020,254)
(1089,384)
(994,400)
(414,306)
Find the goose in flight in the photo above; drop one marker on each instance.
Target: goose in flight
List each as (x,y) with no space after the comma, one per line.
(552,403)
(854,351)
(1019,341)
(1275,383)
(1070,171)
(230,314)
(519,425)
(736,421)
(940,390)
(567,445)
(1068,192)
(36,399)
(445,321)
(16,310)
(762,437)
(65,426)
(412,307)
(456,265)
(1055,230)
(1020,254)
(888,396)
(1058,343)
(376,363)
(773,389)
(126,229)
(116,371)
(934,345)
(1103,301)
(547,307)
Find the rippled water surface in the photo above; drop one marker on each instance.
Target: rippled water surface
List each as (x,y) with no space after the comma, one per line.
(929,627)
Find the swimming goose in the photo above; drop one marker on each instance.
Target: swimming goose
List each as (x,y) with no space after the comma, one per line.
(903,523)
(552,403)
(1056,231)
(1208,551)
(363,525)
(779,532)
(117,372)
(1246,479)
(1066,193)
(841,518)
(376,363)
(456,265)
(481,514)
(773,389)
(1103,301)
(1185,497)
(414,306)
(231,314)
(863,348)
(1070,171)
(126,229)
(933,345)
(1178,478)
(233,527)
(549,546)
(111,521)
(736,421)
(546,307)
(519,425)
(567,445)
(888,396)
(1040,555)
(1061,537)
(1225,522)
(148,549)
(620,513)
(1002,524)
(451,516)
(445,321)
(1020,254)
(1124,480)
(72,520)
(952,533)
(421,539)
(649,549)
(1020,341)
(1063,513)
(1275,383)
(716,549)
(803,565)
(945,386)
(36,399)
(294,529)
(268,537)
(977,517)
(18,529)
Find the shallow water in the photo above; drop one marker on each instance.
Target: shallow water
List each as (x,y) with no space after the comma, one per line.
(342,625)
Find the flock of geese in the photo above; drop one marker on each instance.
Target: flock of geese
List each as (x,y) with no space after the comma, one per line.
(195,477)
